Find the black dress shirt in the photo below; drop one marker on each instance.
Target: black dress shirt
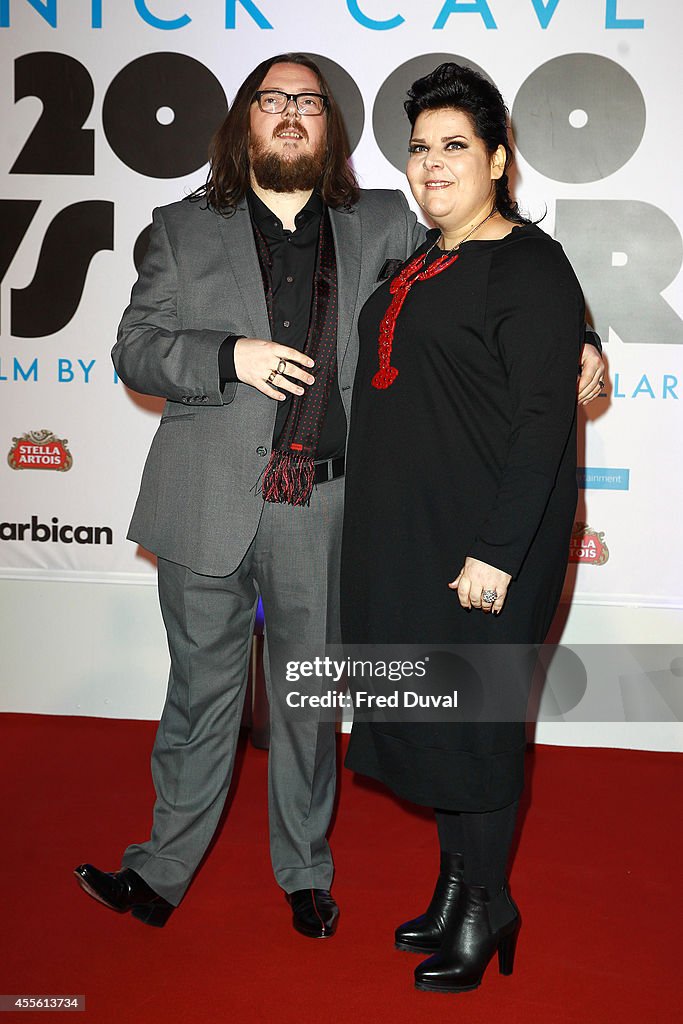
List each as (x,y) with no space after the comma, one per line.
(293,255)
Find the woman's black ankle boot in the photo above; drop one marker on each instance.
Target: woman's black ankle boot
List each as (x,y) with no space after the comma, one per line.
(481,927)
(423,934)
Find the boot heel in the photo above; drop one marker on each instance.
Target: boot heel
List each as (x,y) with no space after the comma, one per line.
(156,916)
(506,952)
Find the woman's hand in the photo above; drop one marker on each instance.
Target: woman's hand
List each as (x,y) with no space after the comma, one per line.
(592,379)
(474,578)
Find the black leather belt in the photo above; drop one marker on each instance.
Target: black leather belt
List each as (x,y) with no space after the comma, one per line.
(329,470)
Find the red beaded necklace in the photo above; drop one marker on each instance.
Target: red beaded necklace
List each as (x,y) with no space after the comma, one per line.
(399,288)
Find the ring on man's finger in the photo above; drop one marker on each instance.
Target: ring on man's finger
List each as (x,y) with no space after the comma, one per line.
(281,366)
(271,376)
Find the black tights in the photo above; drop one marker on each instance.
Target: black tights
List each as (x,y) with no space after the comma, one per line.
(483,839)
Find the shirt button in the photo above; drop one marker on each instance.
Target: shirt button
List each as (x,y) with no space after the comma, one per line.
(289,279)
(261,450)
(285,323)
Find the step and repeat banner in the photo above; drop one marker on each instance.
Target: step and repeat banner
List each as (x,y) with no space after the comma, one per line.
(107,109)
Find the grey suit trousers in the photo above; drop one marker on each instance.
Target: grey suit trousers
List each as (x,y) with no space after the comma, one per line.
(293,563)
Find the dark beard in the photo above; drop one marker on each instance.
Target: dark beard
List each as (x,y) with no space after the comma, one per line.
(277,175)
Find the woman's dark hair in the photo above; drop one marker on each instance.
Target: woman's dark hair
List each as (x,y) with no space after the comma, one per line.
(228,179)
(452,86)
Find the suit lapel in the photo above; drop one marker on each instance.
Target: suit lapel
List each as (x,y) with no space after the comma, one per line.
(238,241)
(346,228)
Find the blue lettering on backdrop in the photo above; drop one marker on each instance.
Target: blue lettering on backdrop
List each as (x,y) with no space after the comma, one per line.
(86,369)
(612,20)
(250,7)
(25,374)
(65,373)
(373,23)
(545,11)
(19,371)
(644,387)
(458,7)
(669,385)
(163,23)
(47,10)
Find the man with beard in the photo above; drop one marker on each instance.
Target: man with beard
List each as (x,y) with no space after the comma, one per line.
(244,319)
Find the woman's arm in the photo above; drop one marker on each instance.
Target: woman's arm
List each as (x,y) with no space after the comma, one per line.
(535,316)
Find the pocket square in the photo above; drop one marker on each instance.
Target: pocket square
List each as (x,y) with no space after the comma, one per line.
(389,269)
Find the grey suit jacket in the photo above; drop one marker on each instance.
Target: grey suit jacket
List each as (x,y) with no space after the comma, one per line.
(200,502)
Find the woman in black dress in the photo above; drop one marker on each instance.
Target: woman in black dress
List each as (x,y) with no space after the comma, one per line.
(460,497)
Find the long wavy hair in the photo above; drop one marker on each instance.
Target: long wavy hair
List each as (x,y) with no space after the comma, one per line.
(228,179)
(453,86)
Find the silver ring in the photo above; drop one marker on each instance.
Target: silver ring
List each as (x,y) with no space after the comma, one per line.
(489,596)
(281,366)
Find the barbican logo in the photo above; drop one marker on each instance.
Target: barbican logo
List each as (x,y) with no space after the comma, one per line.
(56,532)
(587,546)
(40,449)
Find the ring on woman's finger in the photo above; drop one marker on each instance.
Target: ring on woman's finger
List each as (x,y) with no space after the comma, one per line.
(489,596)
(281,366)
(271,376)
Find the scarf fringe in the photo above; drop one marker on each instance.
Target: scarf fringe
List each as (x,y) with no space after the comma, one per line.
(289,478)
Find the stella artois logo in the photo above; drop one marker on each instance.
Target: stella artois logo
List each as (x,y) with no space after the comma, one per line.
(40,449)
(587,546)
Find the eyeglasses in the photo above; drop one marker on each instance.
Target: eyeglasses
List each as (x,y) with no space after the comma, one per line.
(273,101)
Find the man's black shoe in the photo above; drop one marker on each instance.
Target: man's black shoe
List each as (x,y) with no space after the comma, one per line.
(123,891)
(314,912)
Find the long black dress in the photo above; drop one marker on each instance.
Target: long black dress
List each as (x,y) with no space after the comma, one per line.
(471,451)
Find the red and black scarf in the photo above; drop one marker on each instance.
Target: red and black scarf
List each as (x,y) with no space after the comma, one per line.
(290,472)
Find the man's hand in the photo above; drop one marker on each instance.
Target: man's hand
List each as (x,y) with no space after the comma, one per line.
(592,374)
(267,366)
(474,579)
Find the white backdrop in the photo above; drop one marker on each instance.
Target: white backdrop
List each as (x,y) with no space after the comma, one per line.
(106,109)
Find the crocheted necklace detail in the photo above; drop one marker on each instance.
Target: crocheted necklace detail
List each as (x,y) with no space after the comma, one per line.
(399,288)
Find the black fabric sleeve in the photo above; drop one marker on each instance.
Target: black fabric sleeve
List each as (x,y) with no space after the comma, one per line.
(535,318)
(226,360)
(593,338)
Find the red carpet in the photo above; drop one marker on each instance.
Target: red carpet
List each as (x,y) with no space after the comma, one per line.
(595,876)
